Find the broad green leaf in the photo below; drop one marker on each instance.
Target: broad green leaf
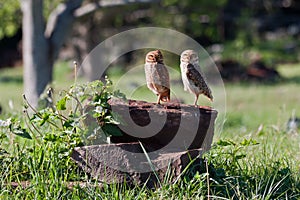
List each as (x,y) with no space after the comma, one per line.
(22,133)
(45,118)
(51,137)
(61,104)
(69,123)
(246,142)
(225,143)
(111,129)
(240,156)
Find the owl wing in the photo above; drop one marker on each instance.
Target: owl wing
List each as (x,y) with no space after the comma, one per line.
(162,74)
(163,82)
(157,77)
(148,69)
(149,72)
(198,80)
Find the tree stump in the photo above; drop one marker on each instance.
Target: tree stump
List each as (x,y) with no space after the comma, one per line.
(157,140)
(152,124)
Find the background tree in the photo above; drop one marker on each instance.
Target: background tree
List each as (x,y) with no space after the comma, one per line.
(42,41)
(11,13)
(238,24)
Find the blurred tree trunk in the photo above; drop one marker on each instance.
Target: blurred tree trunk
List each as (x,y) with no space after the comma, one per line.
(37,70)
(42,41)
(41,44)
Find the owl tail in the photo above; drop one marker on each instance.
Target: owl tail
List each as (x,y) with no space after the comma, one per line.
(209,95)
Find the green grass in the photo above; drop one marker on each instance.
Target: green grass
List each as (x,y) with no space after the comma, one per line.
(270,50)
(11,84)
(239,168)
(11,88)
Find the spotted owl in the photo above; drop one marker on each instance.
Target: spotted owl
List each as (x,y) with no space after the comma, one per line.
(157,76)
(192,77)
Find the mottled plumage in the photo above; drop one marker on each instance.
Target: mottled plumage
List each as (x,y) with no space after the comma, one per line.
(157,76)
(192,77)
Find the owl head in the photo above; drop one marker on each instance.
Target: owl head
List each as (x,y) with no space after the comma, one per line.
(154,56)
(189,56)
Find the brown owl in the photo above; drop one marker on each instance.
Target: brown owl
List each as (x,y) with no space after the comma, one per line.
(157,76)
(192,77)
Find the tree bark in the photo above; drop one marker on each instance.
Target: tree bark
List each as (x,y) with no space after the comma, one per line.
(41,46)
(37,67)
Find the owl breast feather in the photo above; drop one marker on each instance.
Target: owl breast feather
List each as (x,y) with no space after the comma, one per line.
(186,82)
(157,74)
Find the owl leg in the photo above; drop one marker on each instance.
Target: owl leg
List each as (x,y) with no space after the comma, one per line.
(196,99)
(158,98)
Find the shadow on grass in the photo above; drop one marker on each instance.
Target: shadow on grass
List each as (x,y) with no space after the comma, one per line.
(266,182)
(294,79)
(274,82)
(11,79)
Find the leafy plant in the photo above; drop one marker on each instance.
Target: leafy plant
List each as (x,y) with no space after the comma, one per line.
(227,153)
(238,168)
(37,146)
(80,115)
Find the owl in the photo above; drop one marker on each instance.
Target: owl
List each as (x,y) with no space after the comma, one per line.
(157,76)
(192,77)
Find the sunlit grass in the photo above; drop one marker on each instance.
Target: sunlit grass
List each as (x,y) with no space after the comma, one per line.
(247,104)
(11,84)
(11,87)
(255,112)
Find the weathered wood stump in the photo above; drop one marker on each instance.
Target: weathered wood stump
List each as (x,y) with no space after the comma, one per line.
(156,140)
(126,162)
(177,126)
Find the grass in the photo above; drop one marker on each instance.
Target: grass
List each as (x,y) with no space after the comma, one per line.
(11,88)
(271,50)
(252,158)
